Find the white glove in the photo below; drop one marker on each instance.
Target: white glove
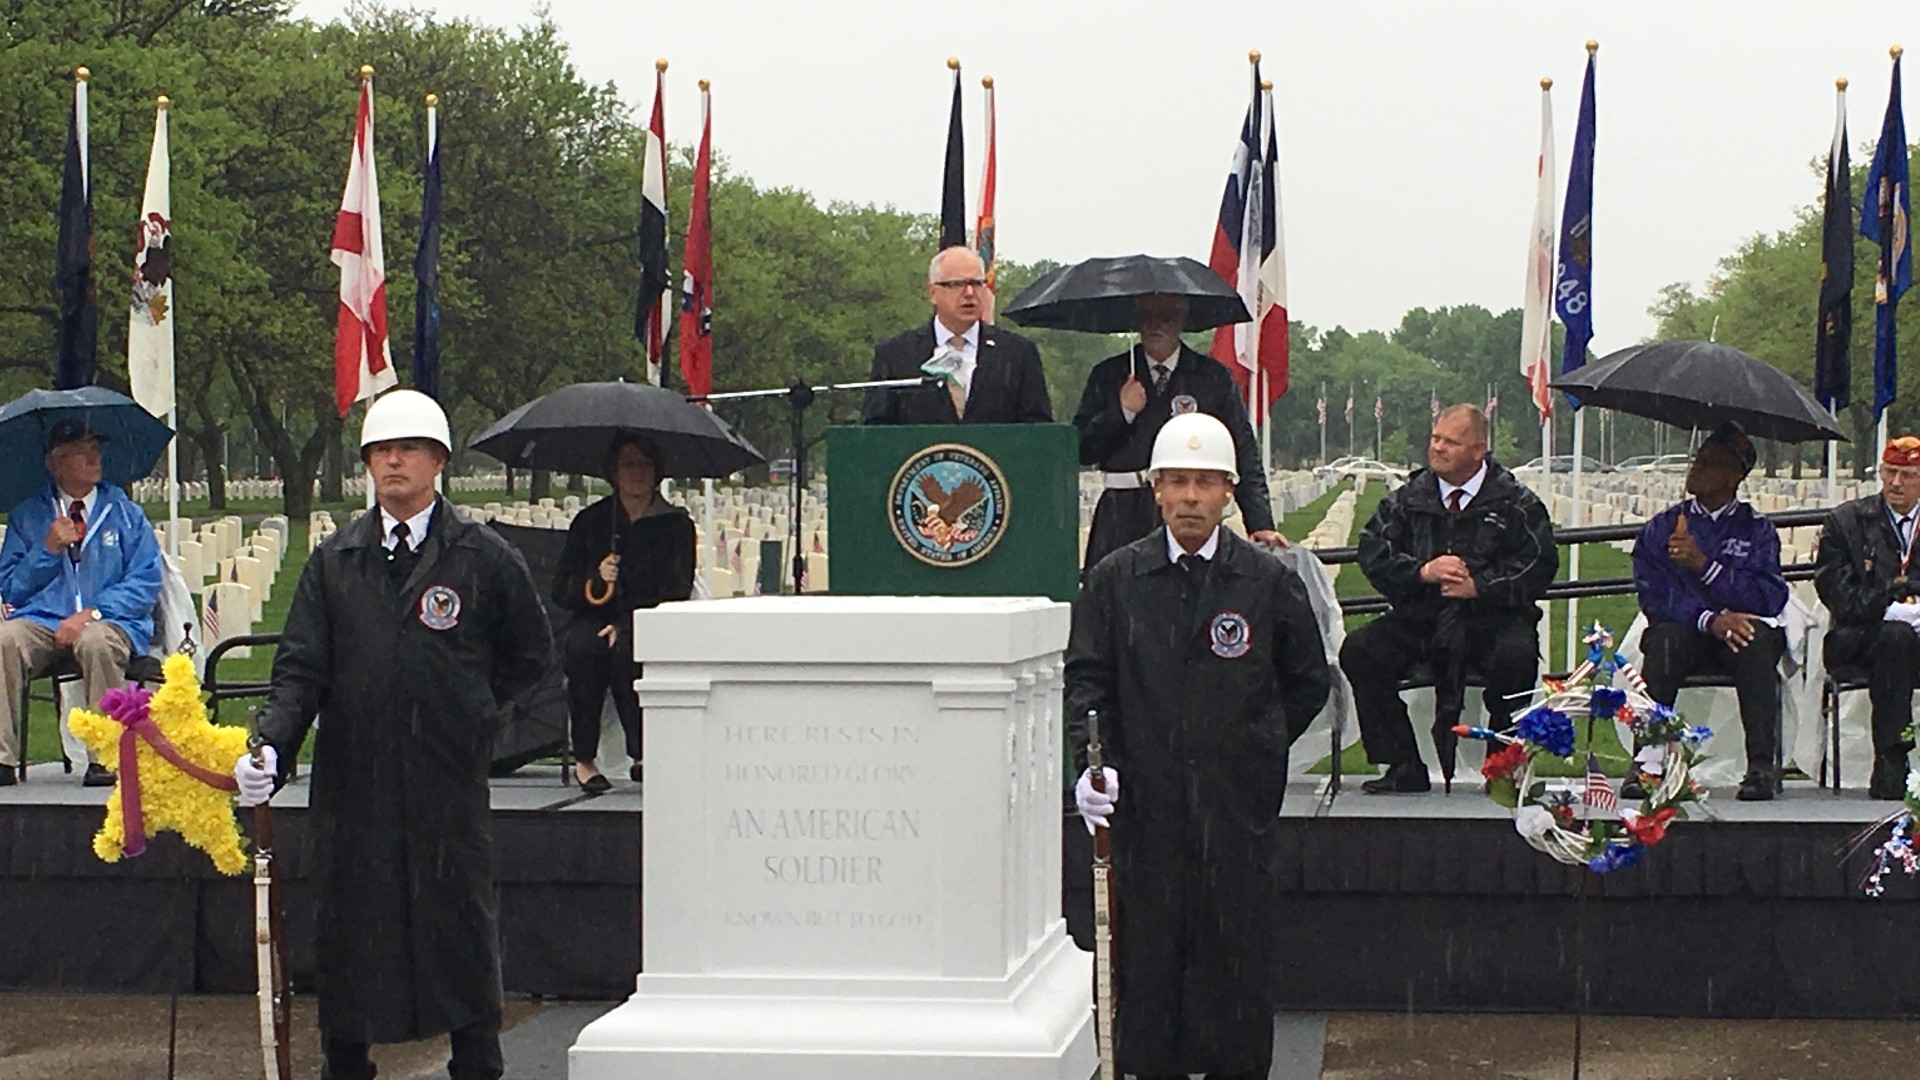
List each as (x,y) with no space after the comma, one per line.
(1096,805)
(256,783)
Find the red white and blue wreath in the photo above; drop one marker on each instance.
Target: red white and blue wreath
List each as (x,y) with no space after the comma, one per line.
(1897,851)
(1563,822)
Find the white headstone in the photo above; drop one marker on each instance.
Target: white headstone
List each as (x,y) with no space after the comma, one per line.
(810,913)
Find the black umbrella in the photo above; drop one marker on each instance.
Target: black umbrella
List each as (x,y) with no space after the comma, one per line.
(1700,384)
(573,429)
(1098,295)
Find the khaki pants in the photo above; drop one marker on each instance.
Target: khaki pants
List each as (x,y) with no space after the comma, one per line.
(27,649)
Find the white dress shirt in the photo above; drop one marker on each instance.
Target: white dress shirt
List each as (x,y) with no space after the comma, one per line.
(416,528)
(1206,552)
(1469,489)
(969,351)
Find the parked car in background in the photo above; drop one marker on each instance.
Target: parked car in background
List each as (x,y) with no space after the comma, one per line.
(1343,467)
(1657,463)
(1563,463)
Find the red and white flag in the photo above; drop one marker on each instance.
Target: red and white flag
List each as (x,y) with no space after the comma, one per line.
(362,361)
(983,225)
(1536,312)
(1249,253)
(696,292)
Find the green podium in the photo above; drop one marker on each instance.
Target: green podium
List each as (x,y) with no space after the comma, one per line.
(954,510)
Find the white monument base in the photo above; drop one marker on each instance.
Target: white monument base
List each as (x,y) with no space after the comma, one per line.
(851,847)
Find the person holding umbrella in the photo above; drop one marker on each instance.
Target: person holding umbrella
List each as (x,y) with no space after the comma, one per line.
(991,375)
(1462,551)
(628,551)
(1130,397)
(412,630)
(80,574)
(1708,574)
(1202,657)
(1867,577)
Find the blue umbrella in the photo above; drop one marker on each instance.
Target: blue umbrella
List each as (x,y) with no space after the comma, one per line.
(132,439)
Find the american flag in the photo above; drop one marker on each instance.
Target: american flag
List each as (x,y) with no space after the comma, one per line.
(1599,794)
(210,618)
(1433,404)
(1322,406)
(1379,410)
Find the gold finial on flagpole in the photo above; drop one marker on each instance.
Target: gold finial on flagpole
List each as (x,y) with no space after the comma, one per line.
(660,65)
(81,74)
(1893,52)
(1546,82)
(366,71)
(705,86)
(1253,56)
(433,101)
(987,81)
(953,63)
(1840,84)
(1266,85)
(161,102)
(1592,46)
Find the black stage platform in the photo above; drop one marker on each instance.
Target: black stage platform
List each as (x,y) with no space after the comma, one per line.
(1424,903)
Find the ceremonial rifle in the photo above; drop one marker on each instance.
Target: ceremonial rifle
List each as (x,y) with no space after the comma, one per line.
(1102,911)
(270,938)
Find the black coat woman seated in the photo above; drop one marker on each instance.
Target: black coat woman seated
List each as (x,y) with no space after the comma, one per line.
(628,551)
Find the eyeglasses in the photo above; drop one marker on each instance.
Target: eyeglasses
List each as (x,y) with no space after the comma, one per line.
(963,283)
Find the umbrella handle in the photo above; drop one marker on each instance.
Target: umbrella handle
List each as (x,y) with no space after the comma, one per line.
(602,599)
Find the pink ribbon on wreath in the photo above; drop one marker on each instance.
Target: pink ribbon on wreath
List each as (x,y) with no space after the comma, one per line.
(129,707)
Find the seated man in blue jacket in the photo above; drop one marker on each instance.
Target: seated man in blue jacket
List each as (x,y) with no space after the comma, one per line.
(80,574)
(1708,574)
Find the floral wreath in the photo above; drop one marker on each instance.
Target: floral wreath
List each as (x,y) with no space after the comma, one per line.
(1560,823)
(1898,849)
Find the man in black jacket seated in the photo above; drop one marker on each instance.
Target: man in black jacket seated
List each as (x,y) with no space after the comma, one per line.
(996,377)
(1128,399)
(1866,575)
(1462,552)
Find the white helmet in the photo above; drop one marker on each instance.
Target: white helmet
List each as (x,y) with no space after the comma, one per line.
(1194,441)
(405,414)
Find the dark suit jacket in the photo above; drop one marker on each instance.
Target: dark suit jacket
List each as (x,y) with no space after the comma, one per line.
(1008,385)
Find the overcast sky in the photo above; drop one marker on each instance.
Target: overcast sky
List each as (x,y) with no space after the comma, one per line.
(1407,129)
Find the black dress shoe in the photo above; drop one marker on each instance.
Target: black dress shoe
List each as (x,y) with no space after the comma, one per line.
(1889,777)
(634,774)
(1404,778)
(98,775)
(7,778)
(597,784)
(1756,787)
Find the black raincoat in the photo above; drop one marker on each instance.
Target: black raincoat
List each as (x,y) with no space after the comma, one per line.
(1856,571)
(1201,690)
(411,682)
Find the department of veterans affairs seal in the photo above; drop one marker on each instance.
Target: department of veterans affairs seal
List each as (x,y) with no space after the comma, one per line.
(948,505)
(1229,635)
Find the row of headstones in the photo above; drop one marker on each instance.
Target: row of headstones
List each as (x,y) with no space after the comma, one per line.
(154,489)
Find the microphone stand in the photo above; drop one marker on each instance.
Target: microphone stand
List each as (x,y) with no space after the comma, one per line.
(799,396)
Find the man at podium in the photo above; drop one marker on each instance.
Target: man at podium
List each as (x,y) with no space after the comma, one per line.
(989,375)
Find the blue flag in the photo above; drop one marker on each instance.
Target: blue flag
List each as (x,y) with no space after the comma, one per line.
(1572,294)
(78,330)
(426,273)
(1884,220)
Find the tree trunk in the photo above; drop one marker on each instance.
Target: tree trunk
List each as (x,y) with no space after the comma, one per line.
(540,487)
(209,444)
(576,483)
(509,483)
(333,472)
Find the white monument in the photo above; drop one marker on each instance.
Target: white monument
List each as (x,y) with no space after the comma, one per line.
(851,847)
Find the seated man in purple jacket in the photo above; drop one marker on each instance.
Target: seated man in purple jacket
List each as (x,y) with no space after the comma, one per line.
(1708,574)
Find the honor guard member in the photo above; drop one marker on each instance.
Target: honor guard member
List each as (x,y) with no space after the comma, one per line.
(993,375)
(1202,656)
(1126,401)
(1868,578)
(410,633)
(1708,574)
(1462,552)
